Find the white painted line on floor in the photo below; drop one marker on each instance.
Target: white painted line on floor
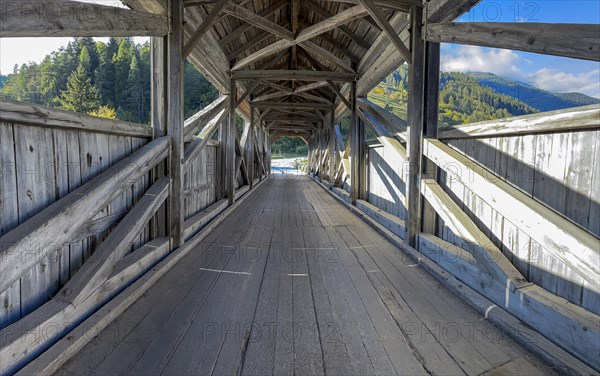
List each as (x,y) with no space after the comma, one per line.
(298,275)
(224,271)
(373,271)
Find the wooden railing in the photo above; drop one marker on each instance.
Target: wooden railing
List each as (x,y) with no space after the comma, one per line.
(84,211)
(488,225)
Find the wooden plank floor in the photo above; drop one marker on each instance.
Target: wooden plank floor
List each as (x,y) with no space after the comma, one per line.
(294,283)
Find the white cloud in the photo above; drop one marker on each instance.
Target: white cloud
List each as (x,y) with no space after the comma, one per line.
(508,63)
(561,82)
(476,59)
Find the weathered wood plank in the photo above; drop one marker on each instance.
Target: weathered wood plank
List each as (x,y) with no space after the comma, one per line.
(578,118)
(98,268)
(74,210)
(569,326)
(75,19)
(546,227)
(578,41)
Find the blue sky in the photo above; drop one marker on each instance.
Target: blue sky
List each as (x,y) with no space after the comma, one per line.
(555,74)
(552,73)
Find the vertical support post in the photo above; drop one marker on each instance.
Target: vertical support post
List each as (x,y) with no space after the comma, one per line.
(321,151)
(357,154)
(227,138)
(250,149)
(430,128)
(175,129)
(332,158)
(415,121)
(158,90)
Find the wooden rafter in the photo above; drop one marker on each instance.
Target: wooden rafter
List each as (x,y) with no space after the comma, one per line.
(282,75)
(204,26)
(379,17)
(317,29)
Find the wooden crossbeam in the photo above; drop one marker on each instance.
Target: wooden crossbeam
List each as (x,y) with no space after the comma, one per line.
(259,21)
(570,40)
(63,218)
(236,33)
(343,28)
(194,123)
(327,55)
(206,24)
(293,105)
(488,256)
(552,231)
(100,265)
(42,18)
(381,20)
(306,34)
(195,147)
(248,45)
(301,75)
(339,94)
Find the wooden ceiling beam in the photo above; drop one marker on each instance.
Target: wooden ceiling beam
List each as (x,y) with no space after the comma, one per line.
(342,28)
(206,24)
(306,34)
(258,21)
(381,20)
(284,75)
(235,34)
(337,92)
(248,45)
(325,54)
(293,105)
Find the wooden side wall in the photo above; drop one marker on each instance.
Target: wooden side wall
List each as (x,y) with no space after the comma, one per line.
(557,169)
(386,174)
(40,165)
(200,188)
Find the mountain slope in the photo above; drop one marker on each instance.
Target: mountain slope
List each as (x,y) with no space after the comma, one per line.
(462,99)
(541,99)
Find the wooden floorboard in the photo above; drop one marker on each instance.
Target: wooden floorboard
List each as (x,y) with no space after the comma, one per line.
(294,283)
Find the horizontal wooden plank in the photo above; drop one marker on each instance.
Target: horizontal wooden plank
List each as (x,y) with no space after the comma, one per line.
(576,248)
(33,114)
(64,18)
(567,325)
(298,75)
(391,222)
(579,118)
(198,221)
(578,41)
(61,220)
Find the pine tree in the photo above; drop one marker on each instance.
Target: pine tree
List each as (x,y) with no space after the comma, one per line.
(135,100)
(80,95)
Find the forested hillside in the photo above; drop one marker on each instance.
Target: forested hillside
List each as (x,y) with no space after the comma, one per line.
(540,99)
(105,79)
(467,98)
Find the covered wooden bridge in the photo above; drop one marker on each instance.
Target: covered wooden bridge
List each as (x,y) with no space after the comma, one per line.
(172,249)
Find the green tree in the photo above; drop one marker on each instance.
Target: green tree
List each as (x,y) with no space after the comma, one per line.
(80,95)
